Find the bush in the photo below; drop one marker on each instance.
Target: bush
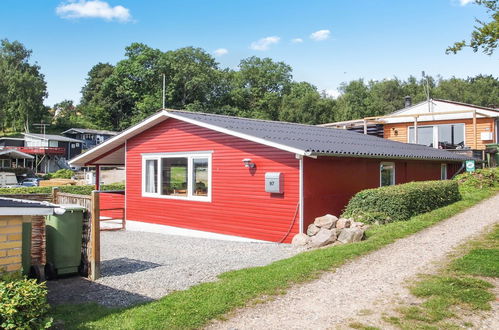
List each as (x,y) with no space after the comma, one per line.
(23,304)
(60,174)
(483,178)
(401,202)
(79,190)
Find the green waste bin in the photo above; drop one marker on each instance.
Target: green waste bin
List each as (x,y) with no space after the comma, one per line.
(63,241)
(495,155)
(26,250)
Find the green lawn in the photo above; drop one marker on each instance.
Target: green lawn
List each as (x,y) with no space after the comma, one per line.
(194,307)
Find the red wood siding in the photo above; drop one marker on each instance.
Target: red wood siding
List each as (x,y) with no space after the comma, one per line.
(240,206)
(111,204)
(329,183)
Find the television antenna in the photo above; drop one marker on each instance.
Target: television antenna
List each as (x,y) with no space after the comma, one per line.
(42,126)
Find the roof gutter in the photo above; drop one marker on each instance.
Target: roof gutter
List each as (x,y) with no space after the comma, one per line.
(316,154)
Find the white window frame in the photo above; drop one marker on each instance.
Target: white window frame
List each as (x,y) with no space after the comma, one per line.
(393,174)
(190,156)
(443,166)
(435,132)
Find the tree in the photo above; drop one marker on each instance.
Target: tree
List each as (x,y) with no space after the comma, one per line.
(22,88)
(304,104)
(66,115)
(485,36)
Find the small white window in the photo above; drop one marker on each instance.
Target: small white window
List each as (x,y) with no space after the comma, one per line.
(77,145)
(177,175)
(443,172)
(387,174)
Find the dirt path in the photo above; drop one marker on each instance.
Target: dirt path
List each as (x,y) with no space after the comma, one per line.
(369,283)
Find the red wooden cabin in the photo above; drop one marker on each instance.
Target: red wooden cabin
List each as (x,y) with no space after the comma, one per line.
(252,178)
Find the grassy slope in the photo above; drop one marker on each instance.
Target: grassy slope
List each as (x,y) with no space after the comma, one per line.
(198,305)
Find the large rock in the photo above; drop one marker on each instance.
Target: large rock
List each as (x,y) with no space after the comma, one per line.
(349,235)
(312,230)
(300,239)
(343,223)
(323,237)
(327,221)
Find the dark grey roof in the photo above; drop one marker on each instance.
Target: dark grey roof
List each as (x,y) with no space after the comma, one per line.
(10,202)
(90,131)
(52,137)
(316,140)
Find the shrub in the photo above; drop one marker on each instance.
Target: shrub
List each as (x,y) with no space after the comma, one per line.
(401,202)
(23,304)
(60,174)
(483,178)
(79,190)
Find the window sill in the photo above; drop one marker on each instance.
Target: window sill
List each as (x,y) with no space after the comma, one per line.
(179,197)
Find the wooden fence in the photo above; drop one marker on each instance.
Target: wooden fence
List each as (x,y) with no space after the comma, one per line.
(113,209)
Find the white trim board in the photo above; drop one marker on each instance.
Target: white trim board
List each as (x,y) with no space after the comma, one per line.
(6,211)
(159,117)
(177,231)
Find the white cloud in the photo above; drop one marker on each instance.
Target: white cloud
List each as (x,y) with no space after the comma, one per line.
(221,51)
(320,35)
(264,43)
(334,93)
(465,2)
(93,9)
(297,40)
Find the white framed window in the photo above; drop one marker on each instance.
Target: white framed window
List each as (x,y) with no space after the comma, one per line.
(444,136)
(443,172)
(386,174)
(185,176)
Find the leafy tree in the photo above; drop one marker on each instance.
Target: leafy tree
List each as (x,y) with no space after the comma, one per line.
(259,86)
(191,76)
(485,36)
(304,104)
(22,88)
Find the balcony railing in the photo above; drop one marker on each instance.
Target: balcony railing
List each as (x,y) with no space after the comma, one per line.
(40,150)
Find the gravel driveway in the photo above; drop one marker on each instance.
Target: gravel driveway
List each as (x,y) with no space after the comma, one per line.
(138,267)
(372,282)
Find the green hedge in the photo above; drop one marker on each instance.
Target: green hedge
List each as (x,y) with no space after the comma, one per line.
(23,304)
(401,202)
(79,190)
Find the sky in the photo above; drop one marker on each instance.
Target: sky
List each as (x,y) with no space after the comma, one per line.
(326,42)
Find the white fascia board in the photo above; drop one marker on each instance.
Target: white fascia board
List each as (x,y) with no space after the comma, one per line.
(238,134)
(115,141)
(26,211)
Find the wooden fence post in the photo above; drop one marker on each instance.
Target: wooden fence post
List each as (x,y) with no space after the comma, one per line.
(55,191)
(95,237)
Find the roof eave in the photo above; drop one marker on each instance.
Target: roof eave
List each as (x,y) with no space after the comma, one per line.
(318,154)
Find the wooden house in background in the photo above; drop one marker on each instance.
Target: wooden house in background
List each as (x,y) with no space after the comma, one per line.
(441,124)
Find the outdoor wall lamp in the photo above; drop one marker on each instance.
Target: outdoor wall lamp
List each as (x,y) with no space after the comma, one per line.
(248,163)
